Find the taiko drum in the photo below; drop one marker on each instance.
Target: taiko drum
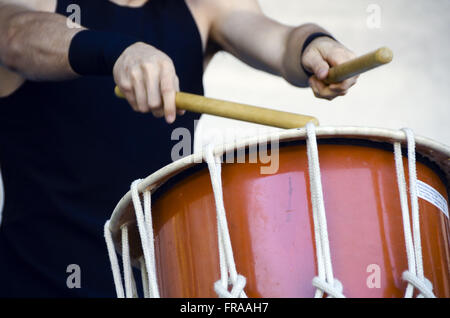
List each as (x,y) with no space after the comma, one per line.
(271,225)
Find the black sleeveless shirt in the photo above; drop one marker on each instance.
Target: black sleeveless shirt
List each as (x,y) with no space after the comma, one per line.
(70,150)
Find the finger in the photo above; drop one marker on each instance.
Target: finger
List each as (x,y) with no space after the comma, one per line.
(158,113)
(168,90)
(127,90)
(314,62)
(139,90)
(151,73)
(339,55)
(323,91)
(343,93)
(131,98)
(313,86)
(344,85)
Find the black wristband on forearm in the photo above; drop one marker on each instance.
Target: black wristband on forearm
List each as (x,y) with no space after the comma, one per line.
(308,41)
(96,52)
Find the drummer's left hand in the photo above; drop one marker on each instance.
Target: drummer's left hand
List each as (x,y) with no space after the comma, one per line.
(317,58)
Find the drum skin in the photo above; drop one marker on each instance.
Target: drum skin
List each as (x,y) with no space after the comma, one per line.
(271,226)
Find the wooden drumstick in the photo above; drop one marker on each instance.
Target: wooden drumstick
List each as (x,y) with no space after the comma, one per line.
(252,114)
(270,117)
(359,65)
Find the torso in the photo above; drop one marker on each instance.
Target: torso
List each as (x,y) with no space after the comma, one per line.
(12,81)
(74,148)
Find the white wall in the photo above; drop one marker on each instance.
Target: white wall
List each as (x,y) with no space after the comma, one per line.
(413,91)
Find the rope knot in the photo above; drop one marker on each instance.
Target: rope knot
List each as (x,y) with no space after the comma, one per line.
(424,286)
(333,290)
(237,290)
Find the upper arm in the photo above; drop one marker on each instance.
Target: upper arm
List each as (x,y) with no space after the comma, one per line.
(241,28)
(221,11)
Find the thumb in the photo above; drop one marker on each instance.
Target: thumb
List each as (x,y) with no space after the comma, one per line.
(314,62)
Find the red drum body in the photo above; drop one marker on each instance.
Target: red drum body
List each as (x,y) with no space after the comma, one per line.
(271,224)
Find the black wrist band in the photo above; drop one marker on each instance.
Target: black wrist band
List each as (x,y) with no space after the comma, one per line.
(308,41)
(96,52)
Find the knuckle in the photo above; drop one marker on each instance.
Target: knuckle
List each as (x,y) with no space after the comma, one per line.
(149,67)
(167,88)
(135,74)
(167,84)
(154,103)
(167,63)
(125,88)
(307,58)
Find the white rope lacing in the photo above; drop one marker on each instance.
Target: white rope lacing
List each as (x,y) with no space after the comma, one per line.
(229,276)
(325,282)
(144,277)
(130,284)
(147,262)
(414,276)
(145,227)
(114,261)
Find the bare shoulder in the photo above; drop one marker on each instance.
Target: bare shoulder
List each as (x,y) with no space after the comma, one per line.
(38,5)
(207,12)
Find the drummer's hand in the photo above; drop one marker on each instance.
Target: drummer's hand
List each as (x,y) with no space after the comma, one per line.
(146,77)
(317,58)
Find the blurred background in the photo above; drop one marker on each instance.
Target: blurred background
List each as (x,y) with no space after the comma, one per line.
(412,91)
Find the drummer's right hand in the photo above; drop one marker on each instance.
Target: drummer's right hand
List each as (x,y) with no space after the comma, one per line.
(146,77)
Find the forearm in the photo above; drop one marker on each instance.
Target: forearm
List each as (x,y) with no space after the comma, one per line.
(35,44)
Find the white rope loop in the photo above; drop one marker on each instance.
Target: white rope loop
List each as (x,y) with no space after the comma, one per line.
(333,290)
(144,277)
(236,291)
(424,286)
(145,228)
(415,274)
(228,272)
(325,281)
(130,284)
(114,261)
